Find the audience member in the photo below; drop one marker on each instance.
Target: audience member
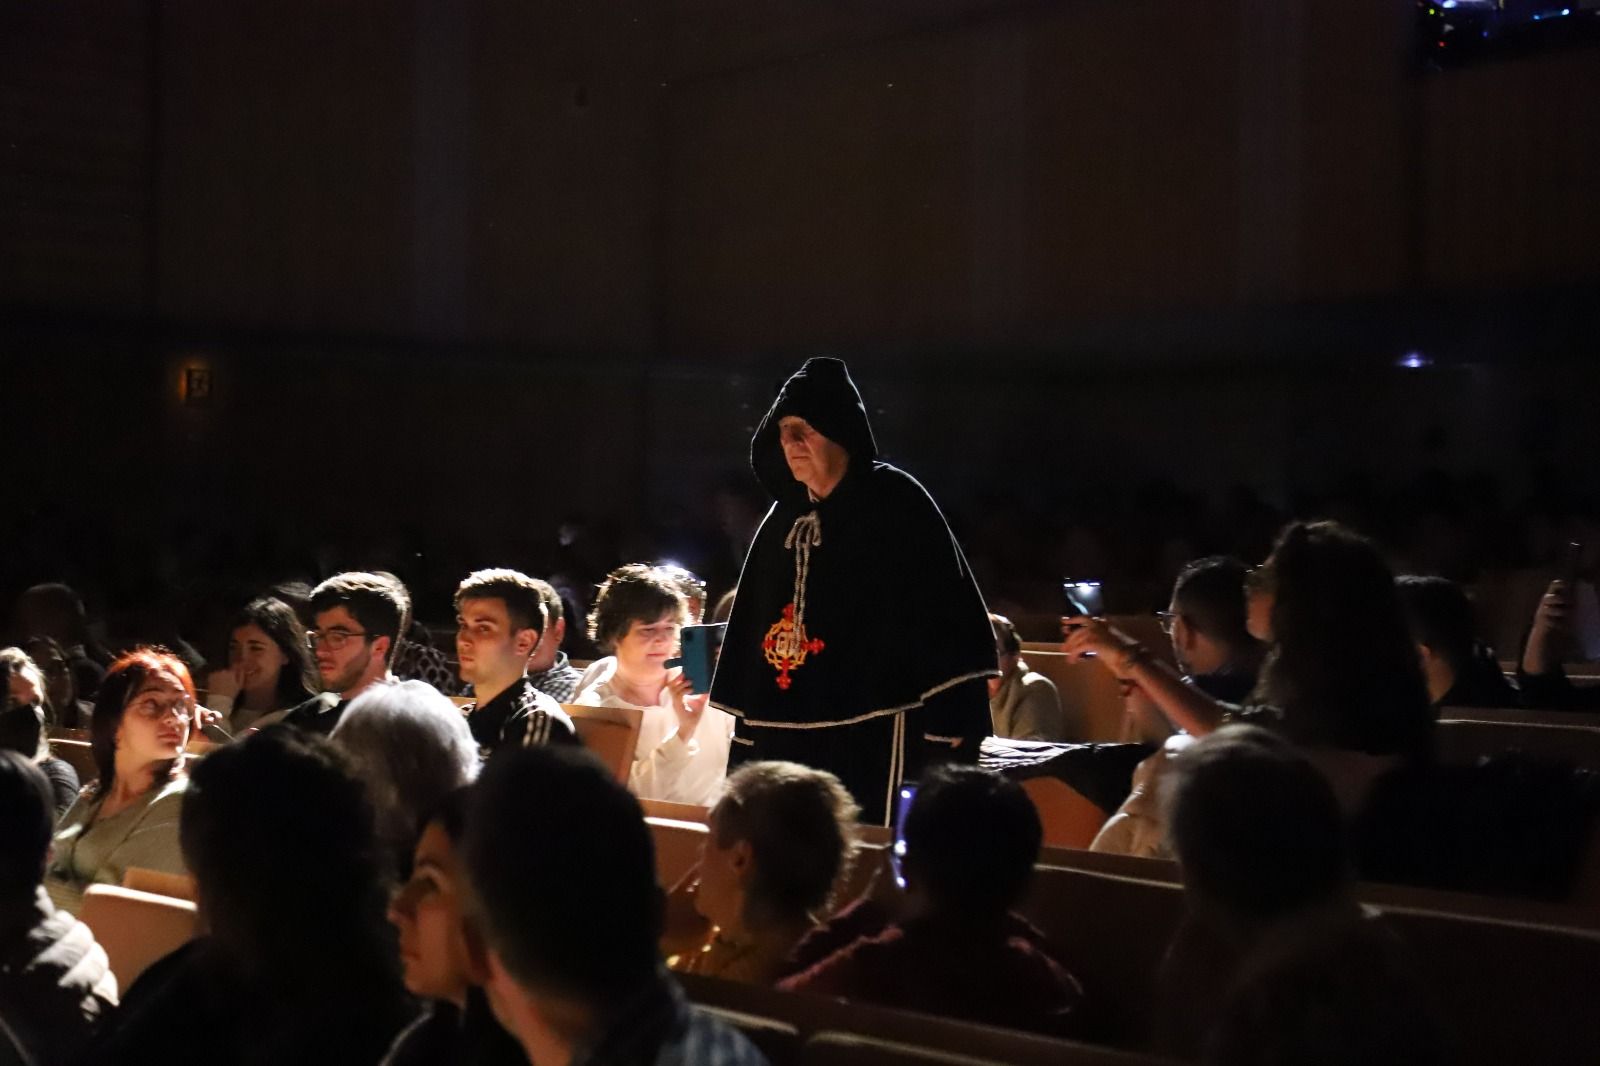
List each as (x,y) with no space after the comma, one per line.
(22,727)
(1567,618)
(55,983)
(358,619)
(411,748)
(971,841)
(692,587)
(1277,963)
(501,619)
(780,838)
(429,914)
(815,664)
(66,710)
(549,669)
(1341,678)
(55,611)
(1218,659)
(682,754)
(578,993)
(1024,705)
(129,816)
(269,672)
(297,965)
(1459,669)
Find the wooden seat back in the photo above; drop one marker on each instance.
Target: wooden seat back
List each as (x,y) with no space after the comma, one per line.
(611,733)
(136,928)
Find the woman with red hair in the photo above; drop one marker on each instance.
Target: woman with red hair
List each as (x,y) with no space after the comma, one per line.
(129,817)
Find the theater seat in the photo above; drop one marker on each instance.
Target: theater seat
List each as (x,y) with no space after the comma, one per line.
(78,754)
(849,1049)
(1069,820)
(677,848)
(778,1041)
(611,733)
(177,886)
(136,928)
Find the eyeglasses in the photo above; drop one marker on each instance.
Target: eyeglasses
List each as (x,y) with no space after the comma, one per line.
(333,638)
(154,708)
(1168,619)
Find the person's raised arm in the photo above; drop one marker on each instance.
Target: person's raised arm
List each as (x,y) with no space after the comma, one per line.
(1184,705)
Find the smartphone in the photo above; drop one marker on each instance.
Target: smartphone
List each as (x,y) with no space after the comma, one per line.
(701,646)
(897,853)
(1081,598)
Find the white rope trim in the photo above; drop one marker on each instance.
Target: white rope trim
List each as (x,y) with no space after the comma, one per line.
(742,740)
(737,713)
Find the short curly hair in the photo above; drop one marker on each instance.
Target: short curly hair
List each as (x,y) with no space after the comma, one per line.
(633,593)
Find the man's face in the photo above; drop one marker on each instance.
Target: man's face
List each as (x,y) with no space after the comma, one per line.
(815,461)
(488,644)
(547,647)
(344,650)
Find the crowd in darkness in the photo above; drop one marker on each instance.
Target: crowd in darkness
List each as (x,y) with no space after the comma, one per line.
(402,852)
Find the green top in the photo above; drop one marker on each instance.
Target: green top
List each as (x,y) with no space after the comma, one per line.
(93,850)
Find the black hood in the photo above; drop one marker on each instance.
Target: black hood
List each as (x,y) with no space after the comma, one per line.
(822,393)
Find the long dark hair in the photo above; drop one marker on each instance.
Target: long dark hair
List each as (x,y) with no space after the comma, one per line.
(297,681)
(1342,668)
(122,681)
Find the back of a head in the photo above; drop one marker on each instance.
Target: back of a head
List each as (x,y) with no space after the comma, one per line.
(563,877)
(411,747)
(798,822)
(1256,828)
(1343,667)
(1209,593)
(1006,641)
(27,817)
(972,838)
(278,833)
(1440,616)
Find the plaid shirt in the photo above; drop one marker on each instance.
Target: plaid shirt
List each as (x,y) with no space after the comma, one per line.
(657,1027)
(560,682)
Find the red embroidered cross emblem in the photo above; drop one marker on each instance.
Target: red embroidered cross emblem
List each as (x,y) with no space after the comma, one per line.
(787,646)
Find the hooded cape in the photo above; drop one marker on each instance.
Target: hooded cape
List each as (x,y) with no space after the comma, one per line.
(854,607)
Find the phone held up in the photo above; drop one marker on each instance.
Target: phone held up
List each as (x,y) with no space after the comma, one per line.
(1081,599)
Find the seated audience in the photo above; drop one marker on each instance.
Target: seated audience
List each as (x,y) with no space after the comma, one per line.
(269,670)
(971,841)
(1341,679)
(1218,658)
(297,965)
(780,837)
(1277,963)
(55,983)
(358,620)
(577,992)
(22,726)
(66,710)
(415,658)
(549,669)
(501,618)
(682,754)
(429,913)
(1460,670)
(55,611)
(1023,705)
(692,587)
(410,746)
(129,816)
(1565,612)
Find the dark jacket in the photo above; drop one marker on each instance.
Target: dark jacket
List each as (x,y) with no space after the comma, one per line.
(55,982)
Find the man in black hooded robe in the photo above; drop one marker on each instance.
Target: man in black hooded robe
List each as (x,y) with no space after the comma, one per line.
(859,642)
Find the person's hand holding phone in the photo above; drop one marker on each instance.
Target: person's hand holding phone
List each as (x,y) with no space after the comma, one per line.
(687,706)
(1551,630)
(1095,638)
(227,682)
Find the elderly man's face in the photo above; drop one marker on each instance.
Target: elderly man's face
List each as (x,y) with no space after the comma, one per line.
(815,461)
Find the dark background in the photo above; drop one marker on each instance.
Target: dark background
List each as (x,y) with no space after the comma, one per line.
(457,272)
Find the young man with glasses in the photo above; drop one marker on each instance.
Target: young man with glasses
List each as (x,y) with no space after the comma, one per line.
(356,623)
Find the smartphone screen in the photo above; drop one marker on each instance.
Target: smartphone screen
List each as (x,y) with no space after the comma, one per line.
(897,853)
(1081,598)
(701,646)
